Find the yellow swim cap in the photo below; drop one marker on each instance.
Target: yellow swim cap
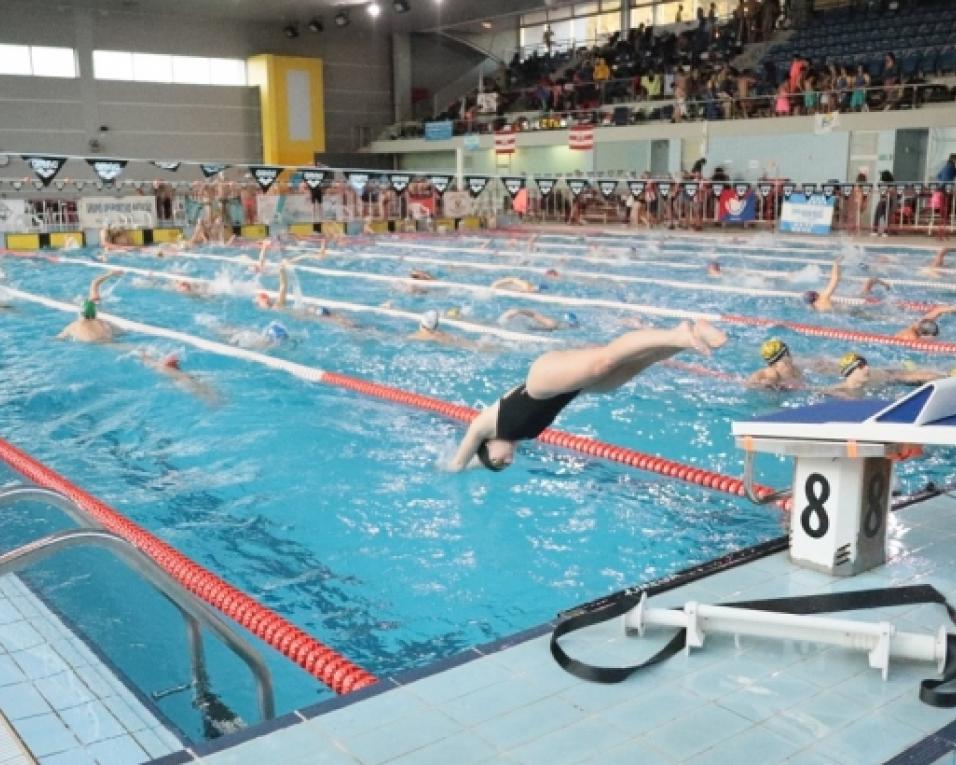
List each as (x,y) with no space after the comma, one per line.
(453,313)
(850,362)
(908,365)
(773,350)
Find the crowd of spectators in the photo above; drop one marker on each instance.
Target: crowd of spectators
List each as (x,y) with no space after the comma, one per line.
(682,72)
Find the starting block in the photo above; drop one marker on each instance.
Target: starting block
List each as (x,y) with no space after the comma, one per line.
(844,452)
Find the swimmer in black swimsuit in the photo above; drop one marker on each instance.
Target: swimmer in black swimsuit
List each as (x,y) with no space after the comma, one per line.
(557,377)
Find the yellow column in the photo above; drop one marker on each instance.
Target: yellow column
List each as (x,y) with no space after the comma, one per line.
(292,102)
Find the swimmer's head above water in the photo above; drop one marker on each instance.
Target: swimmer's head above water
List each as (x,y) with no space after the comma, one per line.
(429,321)
(927,328)
(263,300)
(774,350)
(855,366)
(88,310)
(810,297)
(276,332)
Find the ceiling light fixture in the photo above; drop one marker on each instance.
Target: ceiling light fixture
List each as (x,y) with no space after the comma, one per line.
(316,25)
(374,9)
(486,25)
(342,18)
(291,31)
(401,6)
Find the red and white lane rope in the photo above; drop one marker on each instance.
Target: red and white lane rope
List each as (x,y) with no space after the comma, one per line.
(323,663)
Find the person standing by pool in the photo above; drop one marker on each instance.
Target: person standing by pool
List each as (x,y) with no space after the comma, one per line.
(556,378)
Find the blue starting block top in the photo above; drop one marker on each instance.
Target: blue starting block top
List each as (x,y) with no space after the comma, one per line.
(925,416)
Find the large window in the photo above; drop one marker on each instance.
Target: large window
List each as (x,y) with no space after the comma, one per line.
(572,25)
(657,12)
(158,67)
(38,60)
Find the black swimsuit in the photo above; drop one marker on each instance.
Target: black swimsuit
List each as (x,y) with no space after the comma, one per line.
(522,417)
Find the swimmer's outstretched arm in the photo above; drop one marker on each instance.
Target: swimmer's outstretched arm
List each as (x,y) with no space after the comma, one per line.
(834,282)
(98,282)
(938,311)
(940,256)
(283,286)
(542,321)
(513,283)
(263,249)
(872,282)
(481,429)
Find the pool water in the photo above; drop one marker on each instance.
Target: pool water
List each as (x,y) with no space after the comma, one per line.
(333,509)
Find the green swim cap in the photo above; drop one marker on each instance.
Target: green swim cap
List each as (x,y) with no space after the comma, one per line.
(89,309)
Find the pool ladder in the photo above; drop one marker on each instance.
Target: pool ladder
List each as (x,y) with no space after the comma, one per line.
(195,612)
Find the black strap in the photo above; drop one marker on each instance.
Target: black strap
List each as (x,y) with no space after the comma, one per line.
(812,604)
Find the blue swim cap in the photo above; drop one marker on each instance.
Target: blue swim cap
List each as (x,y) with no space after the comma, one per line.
(277,332)
(571,319)
(323,311)
(542,287)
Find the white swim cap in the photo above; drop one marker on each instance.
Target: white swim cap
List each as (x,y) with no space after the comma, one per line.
(429,320)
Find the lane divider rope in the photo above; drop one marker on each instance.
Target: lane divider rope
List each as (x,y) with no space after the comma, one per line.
(323,663)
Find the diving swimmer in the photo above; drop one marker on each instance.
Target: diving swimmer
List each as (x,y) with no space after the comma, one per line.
(557,377)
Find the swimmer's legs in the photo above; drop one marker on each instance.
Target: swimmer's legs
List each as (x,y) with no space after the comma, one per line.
(608,367)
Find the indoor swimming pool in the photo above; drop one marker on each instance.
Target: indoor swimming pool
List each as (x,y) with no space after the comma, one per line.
(334,509)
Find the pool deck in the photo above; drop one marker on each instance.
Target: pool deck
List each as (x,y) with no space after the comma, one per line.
(65,704)
(733,700)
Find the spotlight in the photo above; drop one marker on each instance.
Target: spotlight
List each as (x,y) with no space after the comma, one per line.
(401,6)
(374,10)
(486,25)
(291,31)
(316,25)
(342,18)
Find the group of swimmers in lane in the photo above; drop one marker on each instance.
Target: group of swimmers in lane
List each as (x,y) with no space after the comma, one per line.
(782,372)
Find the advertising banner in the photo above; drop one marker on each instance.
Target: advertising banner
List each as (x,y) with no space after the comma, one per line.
(138,210)
(807,215)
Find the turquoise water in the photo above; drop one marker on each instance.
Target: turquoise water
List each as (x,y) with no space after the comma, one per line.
(331,508)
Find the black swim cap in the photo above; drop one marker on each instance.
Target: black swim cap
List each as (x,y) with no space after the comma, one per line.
(485,460)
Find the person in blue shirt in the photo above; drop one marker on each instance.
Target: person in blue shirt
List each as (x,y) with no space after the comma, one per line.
(947,173)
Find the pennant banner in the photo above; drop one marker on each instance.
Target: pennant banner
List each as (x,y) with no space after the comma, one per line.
(716,189)
(741,189)
(440,183)
(690,189)
(577,185)
(808,189)
(209,170)
(581,138)
(265,175)
(900,189)
(948,188)
(545,185)
(664,189)
(476,184)
(828,189)
(170,166)
(313,178)
(846,189)
(399,182)
(506,142)
(44,167)
(866,188)
(788,189)
(357,181)
(636,187)
(607,187)
(513,185)
(765,189)
(107,170)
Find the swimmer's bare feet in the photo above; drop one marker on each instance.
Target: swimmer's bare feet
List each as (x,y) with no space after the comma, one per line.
(703,336)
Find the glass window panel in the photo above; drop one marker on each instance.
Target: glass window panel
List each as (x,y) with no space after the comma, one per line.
(15,59)
(610,5)
(227,71)
(53,62)
(112,65)
(608,24)
(530,19)
(190,70)
(585,9)
(642,15)
(152,67)
(560,13)
(563,31)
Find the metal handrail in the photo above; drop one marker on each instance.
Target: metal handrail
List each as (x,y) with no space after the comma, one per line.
(748,480)
(194,611)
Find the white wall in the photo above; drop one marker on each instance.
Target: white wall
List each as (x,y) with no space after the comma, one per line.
(178,121)
(942,143)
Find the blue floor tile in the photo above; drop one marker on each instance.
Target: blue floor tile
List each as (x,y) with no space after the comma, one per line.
(40,661)
(117,751)
(572,743)
(18,636)
(400,737)
(46,734)
(528,723)
(465,748)
(697,732)
(772,749)
(64,690)
(91,722)
(10,672)
(23,700)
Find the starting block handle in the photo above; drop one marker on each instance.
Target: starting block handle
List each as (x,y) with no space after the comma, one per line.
(749,483)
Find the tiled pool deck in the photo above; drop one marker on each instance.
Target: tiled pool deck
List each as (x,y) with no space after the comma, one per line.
(730,702)
(63,701)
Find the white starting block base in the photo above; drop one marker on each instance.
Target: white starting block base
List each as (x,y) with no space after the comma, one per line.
(844,471)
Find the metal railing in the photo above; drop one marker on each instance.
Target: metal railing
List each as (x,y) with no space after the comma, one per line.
(195,613)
